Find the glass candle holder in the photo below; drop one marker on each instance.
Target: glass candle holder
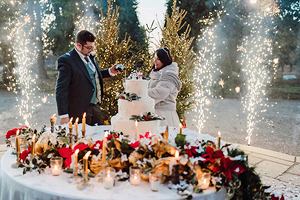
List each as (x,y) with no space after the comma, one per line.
(204,180)
(135,175)
(154,180)
(56,165)
(109,177)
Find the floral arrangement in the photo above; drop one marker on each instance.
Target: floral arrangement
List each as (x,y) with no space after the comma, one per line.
(228,166)
(148,116)
(127,96)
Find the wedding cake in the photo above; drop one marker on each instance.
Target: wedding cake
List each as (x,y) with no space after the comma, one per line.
(135,102)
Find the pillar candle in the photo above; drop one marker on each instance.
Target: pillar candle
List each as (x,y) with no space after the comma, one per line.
(76,125)
(33,145)
(85,161)
(83,122)
(104,148)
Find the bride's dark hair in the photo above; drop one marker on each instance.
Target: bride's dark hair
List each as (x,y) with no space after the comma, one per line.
(164,55)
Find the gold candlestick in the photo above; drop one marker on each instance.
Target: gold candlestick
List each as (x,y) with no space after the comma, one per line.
(16,165)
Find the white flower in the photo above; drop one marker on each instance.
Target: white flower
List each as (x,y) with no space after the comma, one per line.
(124,157)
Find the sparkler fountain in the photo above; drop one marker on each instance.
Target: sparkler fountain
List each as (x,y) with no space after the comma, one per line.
(256,61)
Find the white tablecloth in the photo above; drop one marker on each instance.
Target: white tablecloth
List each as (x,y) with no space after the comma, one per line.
(33,186)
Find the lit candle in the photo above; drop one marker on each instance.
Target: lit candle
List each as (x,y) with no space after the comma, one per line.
(108,181)
(70,122)
(219,140)
(33,146)
(85,161)
(55,170)
(135,180)
(52,119)
(18,141)
(104,148)
(173,161)
(180,128)
(76,157)
(204,180)
(154,182)
(137,130)
(76,125)
(83,122)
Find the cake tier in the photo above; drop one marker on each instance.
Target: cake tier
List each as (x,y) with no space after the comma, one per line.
(139,87)
(127,127)
(127,108)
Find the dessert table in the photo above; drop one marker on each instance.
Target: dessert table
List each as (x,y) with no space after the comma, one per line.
(33,186)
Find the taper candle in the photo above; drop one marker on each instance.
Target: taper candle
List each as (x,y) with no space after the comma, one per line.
(76,157)
(76,126)
(83,122)
(70,122)
(33,146)
(18,141)
(137,130)
(85,161)
(219,140)
(180,128)
(104,148)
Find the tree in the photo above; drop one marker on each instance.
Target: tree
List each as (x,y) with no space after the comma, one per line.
(110,50)
(183,55)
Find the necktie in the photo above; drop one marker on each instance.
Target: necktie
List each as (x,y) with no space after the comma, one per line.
(90,64)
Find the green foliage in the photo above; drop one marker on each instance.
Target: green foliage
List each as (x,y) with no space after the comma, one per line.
(111,50)
(180,140)
(183,54)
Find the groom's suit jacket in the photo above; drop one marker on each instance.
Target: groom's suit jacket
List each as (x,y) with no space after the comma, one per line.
(74,87)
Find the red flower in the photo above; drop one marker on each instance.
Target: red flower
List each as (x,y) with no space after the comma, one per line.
(277,198)
(81,147)
(66,153)
(100,142)
(209,153)
(13,132)
(24,154)
(146,118)
(146,135)
(135,145)
(191,151)
(121,97)
(110,136)
(228,167)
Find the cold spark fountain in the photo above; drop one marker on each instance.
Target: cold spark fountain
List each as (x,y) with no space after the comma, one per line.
(256,61)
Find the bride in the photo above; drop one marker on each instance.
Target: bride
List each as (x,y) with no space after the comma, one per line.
(164,86)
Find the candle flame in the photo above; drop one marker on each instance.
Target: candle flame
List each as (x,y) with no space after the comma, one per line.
(136,124)
(86,156)
(54,115)
(71,119)
(76,152)
(150,134)
(84,114)
(17,132)
(219,133)
(180,125)
(33,138)
(77,119)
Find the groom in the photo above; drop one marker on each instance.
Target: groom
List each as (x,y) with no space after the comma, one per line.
(80,82)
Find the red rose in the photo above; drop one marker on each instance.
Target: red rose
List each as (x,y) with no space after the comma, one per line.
(121,97)
(100,142)
(191,151)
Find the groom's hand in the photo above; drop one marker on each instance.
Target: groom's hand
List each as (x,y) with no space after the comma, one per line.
(113,69)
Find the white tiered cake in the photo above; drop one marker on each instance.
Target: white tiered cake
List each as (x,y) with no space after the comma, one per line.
(121,123)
